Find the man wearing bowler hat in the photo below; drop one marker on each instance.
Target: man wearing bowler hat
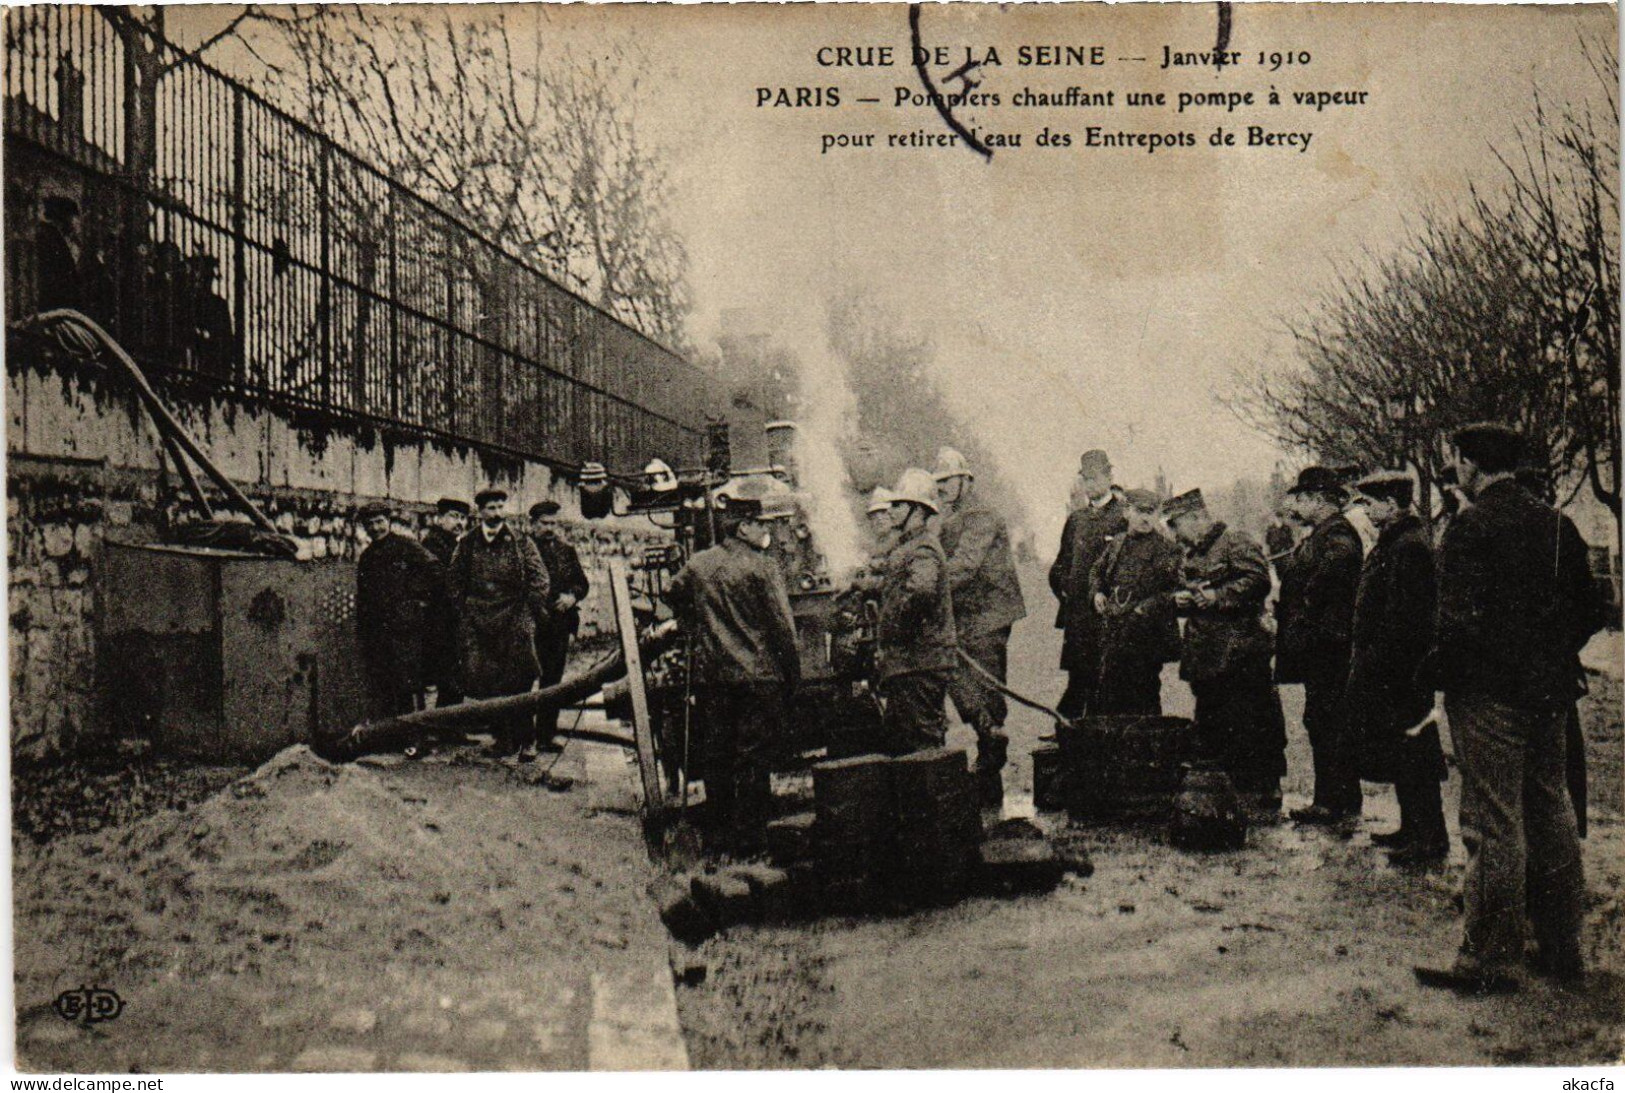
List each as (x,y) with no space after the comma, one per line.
(1516,604)
(1314,636)
(498,588)
(567,584)
(1099,516)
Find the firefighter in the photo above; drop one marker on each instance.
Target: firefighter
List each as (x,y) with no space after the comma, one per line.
(731,599)
(398,587)
(499,588)
(1314,641)
(1098,515)
(1131,586)
(987,602)
(1225,653)
(567,584)
(915,636)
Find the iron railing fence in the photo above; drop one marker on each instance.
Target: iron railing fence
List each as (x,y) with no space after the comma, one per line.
(227,243)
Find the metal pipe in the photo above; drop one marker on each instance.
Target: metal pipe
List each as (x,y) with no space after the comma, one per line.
(160,413)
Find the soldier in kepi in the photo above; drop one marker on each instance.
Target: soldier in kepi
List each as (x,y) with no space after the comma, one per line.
(1313,641)
(731,601)
(987,603)
(1225,654)
(499,588)
(1131,585)
(399,590)
(567,584)
(915,638)
(1098,516)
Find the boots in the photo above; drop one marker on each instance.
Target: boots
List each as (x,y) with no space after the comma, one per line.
(992,749)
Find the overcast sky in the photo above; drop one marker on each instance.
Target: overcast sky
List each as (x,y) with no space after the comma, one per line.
(1080,298)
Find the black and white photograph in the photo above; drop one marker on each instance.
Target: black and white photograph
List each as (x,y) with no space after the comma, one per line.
(737,537)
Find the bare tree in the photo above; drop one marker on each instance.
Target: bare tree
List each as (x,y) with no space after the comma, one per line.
(1505,309)
(477,112)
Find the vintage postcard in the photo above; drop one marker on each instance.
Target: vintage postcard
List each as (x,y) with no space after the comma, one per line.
(881,536)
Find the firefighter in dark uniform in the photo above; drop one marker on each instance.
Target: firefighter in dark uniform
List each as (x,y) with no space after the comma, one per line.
(1389,690)
(567,583)
(1315,625)
(398,588)
(731,600)
(1098,516)
(498,587)
(1131,585)
(987,603)
(1225,653)
(915,638)
(1516,605)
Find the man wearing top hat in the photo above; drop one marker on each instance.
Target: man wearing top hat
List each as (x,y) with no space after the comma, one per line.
(1516,604)
(1225,652)
(567,584)
(987,604)
(398,589)
(1099,516)
(731,600)
(1131,584)
(498,588)
(915,638)
(1389,693)
(1315,624)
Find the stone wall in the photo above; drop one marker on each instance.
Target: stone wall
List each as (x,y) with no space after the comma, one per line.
(83,465)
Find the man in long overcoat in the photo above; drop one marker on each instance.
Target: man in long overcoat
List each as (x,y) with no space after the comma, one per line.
(1131,586)
(499,588)
(450,521)
(987,603)
(1516,604)
(1225,653)
(398,590)
(731,599)
(1098,517)
(567,584)
(1389,691)
(914,637)
(1315,616)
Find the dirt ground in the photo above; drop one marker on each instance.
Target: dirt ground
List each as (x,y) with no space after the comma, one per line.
(447,915)
(1296,951)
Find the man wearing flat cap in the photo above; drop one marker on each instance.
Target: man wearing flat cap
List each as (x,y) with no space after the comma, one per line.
(1315,623)
(1131,585)
(498,588)
(1225,653)
(987,604)
(567,584)
(730,600)
(1389,692)
(449,523)
(1099,516)
(1516,605)
(399,589)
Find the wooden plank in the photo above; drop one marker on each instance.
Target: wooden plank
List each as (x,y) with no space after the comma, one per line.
(654,797)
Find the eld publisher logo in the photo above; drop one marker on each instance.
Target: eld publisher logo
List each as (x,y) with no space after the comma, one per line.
(88,1005)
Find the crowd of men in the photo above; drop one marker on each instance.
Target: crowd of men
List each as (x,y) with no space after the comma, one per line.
(1372,611)
(468,613)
